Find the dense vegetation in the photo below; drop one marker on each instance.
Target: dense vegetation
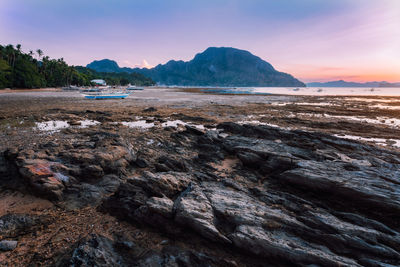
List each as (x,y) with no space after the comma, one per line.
(33,70)
(121,78)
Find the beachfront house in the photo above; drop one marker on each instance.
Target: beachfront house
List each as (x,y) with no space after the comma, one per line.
(99,82)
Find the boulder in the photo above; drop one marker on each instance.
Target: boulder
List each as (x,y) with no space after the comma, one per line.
(6,245)
(13,225)
(94,250)
(42,179)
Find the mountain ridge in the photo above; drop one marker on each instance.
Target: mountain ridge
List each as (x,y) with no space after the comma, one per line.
(216,66)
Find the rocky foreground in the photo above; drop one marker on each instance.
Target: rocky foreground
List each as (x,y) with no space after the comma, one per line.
(237,195)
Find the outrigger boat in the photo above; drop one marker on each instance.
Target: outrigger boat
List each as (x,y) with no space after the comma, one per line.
(105,94)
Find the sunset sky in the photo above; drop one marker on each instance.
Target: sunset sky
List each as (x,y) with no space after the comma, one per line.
(314,40)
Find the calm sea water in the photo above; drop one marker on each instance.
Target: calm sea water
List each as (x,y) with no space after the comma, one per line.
(315,91)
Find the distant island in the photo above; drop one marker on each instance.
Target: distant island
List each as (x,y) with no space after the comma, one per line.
(216,66)
(342,83)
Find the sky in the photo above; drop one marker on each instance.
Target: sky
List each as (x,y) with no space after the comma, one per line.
(314,40)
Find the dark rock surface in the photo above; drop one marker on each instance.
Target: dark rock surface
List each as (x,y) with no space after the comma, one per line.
(81,170)
(93,250)
(6,245)
(296,197)
(97,250)
(13,225)
(266,195)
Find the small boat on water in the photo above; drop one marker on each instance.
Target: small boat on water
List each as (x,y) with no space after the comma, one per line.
(134,88)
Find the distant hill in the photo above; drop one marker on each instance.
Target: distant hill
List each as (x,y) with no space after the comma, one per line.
(104,65)
(223,66)
(342,83)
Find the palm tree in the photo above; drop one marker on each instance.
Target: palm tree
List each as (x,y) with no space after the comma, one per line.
(2,51)
(39,52)
(10,51)
(18,46)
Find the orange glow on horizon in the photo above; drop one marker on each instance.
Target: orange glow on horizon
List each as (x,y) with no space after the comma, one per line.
(315,77)
(307,73)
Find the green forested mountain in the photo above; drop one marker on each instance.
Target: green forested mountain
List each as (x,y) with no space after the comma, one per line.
(33,70)
(216,66)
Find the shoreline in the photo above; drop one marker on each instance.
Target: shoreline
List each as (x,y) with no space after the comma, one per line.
(229,91)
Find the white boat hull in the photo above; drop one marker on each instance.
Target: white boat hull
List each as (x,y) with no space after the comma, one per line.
(106,96)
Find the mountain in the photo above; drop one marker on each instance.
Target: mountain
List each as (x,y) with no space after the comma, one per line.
(342,83)
(104,65)
(222,66)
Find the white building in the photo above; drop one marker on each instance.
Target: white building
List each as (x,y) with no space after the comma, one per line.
(99,82)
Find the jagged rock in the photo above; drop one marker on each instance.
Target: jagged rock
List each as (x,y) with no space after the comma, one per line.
(124,202)
(97,250)
(141,163)
(161,167)
(163,206)
(367,187)
(290,248)
(92,172)
(194,210)
(85,194)
(169,164)
(162,184)
(150,109)
(210,137)
(93,250)
(13,225)
(176,256)
(193,130)
(83,162)
(42,179)
(250,159)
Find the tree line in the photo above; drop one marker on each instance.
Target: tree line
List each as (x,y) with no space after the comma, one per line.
(34,70)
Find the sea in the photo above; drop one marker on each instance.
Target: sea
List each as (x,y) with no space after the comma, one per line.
(312,91)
